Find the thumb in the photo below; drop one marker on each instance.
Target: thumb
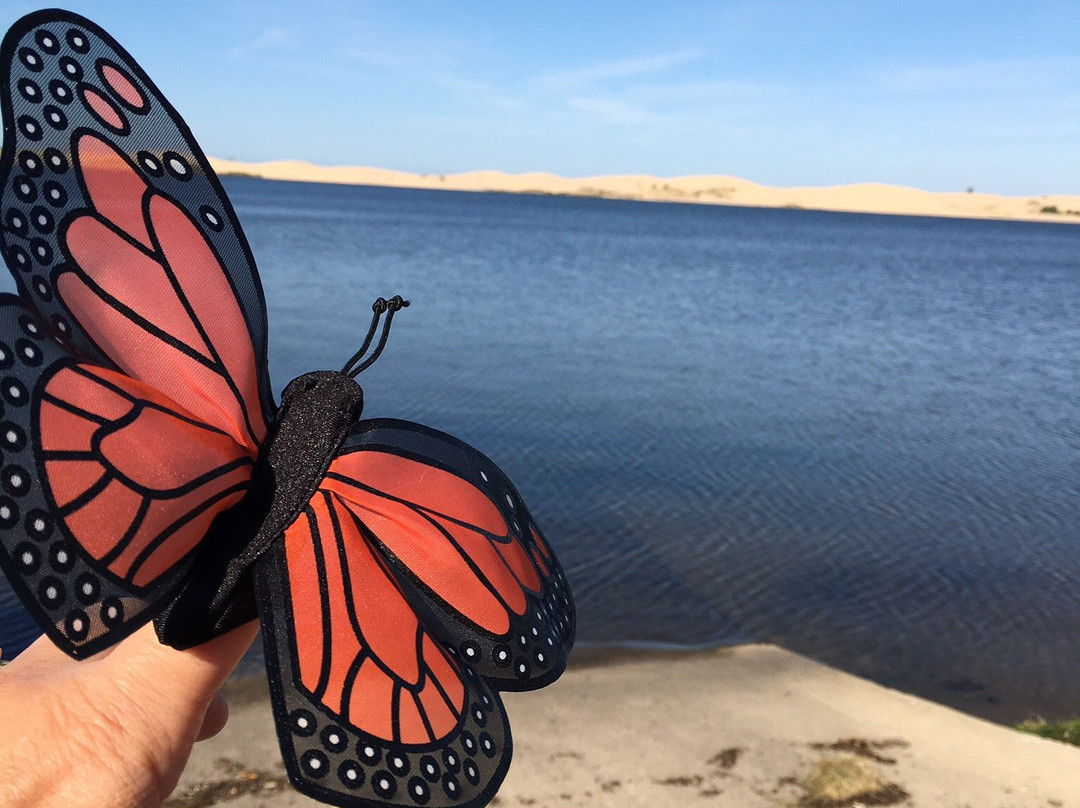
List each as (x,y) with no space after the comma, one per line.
(178,686)
(115,729)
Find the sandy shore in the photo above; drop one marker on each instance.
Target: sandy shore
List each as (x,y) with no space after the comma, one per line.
(740,727)
(716,190)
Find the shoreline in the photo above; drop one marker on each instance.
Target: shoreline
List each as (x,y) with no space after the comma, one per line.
(873,198)
(744,726)
(978,700)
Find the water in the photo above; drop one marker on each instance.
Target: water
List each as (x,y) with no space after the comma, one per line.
(857,436)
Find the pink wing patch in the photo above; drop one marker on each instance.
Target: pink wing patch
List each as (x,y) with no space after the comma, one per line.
(122,85)
(154,297)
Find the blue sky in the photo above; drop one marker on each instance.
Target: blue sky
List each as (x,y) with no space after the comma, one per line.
(939,95)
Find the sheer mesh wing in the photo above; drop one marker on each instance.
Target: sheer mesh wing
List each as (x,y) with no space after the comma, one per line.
(125,251)
(108,205)
(106,488)
(370,708)
(458,536)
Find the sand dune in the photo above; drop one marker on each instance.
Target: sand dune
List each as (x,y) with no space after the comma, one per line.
(714,190)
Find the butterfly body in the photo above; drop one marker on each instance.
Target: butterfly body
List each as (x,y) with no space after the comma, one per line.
(147,472)
(317,410)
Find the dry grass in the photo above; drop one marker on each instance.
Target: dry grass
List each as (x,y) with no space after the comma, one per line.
(861,747)
(845,780)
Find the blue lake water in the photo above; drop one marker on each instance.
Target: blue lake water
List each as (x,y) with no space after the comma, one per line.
(857,436)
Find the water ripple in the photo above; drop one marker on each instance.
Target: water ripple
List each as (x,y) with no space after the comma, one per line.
(857,436)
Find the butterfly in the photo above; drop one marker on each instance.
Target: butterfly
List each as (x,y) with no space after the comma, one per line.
(147,472)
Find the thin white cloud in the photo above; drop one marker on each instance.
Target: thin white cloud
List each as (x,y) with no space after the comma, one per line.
(708,92)
(272,39)
(986,76)
(404,52)
(610,110)
(480,93)
(396,60)
(562,81)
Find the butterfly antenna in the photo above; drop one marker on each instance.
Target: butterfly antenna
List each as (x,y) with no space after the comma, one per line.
(379,307)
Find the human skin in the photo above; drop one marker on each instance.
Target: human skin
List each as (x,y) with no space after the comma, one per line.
(113,731)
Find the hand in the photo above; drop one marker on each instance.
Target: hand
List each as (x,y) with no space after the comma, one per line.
(113,731)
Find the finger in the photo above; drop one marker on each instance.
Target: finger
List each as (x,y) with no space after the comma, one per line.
(41,657)
(185,681)
(217,715)
(43,654)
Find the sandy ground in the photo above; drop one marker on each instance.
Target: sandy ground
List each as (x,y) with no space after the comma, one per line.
(740,727)
(721,190)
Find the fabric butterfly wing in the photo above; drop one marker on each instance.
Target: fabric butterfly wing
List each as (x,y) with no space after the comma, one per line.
(412,588)
(127,253)
(136,401)
(464,546)
(370,708)
(70,592)
(63,78)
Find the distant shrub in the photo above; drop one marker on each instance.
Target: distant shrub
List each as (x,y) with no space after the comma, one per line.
(1049,209)
(1064,731)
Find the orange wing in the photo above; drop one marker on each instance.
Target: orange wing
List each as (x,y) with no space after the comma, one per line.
(370,705)
(413,585)
(362,651)
(106,487)
(458,536)
(127,445)
(135,479)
